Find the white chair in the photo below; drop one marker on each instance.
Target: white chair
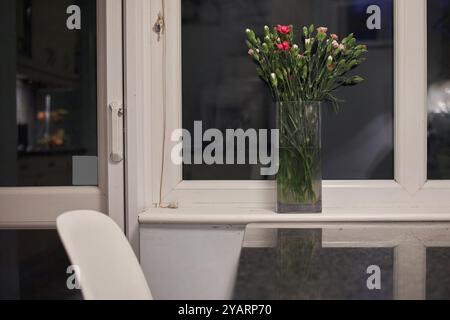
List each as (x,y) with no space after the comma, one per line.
(109,269)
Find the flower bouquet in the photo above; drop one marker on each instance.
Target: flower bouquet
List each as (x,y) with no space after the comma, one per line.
(302,76)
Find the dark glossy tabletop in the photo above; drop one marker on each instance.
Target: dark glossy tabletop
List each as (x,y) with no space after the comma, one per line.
(347,261)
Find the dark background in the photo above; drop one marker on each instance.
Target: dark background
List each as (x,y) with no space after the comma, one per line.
(221,88)
(439,85)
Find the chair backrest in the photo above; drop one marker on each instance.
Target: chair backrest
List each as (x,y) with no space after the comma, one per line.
(109,269)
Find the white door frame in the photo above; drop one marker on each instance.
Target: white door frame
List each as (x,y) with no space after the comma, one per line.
(38,207)
(138,64)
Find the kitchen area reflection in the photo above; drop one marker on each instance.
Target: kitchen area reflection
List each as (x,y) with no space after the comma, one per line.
(344,261)
(48,89)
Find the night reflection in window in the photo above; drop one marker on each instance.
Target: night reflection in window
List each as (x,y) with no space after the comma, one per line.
(220,86)
(48,91)
(438,89)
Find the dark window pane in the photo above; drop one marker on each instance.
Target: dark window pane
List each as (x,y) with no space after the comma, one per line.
(33,265)
(438,89)
(220,86)
(48,94)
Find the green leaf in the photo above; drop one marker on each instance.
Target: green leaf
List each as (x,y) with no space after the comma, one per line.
(353,81)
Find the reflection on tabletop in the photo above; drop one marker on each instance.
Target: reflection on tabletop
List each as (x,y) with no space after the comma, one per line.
(365,261)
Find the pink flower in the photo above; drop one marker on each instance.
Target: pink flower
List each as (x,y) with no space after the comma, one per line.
(322,30)
(334,37)
(335,44)
(284,46)
(283,29)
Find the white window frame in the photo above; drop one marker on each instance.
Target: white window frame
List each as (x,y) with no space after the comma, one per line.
(38,207)
(156,82)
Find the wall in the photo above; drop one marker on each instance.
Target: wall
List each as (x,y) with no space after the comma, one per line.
(191,262)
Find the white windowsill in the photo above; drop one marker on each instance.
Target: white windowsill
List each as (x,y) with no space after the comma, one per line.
(214,215)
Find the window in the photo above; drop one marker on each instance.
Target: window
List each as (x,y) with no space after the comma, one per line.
(221,89)
(62,67)
(375,150)
(48,87)
(438,89)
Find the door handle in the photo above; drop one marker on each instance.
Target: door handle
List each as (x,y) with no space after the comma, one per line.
(116,122)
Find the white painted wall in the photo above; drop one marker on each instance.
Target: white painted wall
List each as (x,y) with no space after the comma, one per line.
(191,262)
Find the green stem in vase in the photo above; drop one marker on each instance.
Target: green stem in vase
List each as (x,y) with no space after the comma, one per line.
(299,125)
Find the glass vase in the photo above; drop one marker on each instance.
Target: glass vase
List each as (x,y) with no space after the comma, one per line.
(299,178)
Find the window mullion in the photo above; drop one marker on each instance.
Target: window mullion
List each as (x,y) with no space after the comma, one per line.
(410,94)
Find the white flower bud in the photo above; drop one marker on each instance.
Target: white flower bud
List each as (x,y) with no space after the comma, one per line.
(273,79)
(330,60)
